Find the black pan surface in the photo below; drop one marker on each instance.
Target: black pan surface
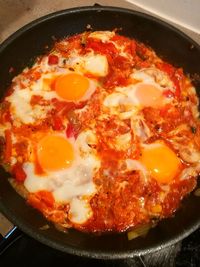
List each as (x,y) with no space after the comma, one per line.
(32,40)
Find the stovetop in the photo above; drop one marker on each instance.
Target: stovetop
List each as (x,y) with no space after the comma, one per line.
(26,251)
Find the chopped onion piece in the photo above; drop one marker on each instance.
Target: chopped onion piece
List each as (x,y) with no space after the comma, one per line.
(44,227)
(197,192)
(139,231)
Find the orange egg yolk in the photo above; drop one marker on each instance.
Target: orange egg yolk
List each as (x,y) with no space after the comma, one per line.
(149,95)
(161,162)
(54,153)
(72,86)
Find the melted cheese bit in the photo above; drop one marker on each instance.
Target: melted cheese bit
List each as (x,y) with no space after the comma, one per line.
(96,65)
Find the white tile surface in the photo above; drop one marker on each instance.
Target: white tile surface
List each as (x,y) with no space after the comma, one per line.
(182,12)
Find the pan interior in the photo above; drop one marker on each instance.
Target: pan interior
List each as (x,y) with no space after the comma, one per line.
(36,39)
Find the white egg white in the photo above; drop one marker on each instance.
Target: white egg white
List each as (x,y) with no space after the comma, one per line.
(95,64)
(104,36)
(72,184)
(80,211)
(155,76)
(24,112)
(124,99)
(21,109)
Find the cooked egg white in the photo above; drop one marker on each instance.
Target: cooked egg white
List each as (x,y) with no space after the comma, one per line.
(104,36)
(43,85)
(79,211)
(21,109)
(96,65)
(91,63)
(24,112)
(70,185)
(145,91)
(127,99)
(153,75)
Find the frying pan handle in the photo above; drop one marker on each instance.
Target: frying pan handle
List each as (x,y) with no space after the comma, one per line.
(8,233)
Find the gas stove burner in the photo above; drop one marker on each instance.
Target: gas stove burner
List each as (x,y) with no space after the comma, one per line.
(8,234)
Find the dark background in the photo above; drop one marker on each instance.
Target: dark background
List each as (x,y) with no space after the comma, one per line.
(25,251)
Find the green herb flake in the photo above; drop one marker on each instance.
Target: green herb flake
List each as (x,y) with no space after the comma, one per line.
(193,129)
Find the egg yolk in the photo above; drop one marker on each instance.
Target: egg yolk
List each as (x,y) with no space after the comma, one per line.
(54,153)
(148,95)
(161,162)
(71,86)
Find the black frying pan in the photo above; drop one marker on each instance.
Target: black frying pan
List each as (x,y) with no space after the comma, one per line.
(30,41)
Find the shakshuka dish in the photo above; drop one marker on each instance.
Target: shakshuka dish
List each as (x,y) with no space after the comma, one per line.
(101,134)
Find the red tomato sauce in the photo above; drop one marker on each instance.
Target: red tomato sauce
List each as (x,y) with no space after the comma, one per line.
(123,199)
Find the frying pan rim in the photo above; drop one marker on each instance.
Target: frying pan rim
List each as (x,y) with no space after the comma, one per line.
(111,255)
(97,8)
(38,236)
